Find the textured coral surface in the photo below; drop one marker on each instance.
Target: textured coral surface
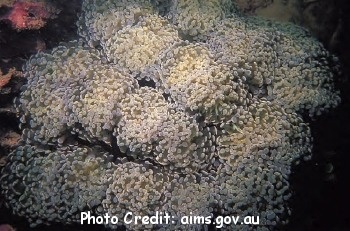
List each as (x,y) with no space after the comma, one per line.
(162,100)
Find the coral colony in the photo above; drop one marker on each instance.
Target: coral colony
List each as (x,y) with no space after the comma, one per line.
(177,108)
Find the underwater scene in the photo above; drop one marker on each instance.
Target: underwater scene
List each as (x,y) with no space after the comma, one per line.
(174,115)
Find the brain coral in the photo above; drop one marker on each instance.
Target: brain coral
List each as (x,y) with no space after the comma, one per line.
(183,107)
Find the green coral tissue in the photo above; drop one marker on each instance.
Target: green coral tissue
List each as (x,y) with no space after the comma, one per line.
(184,107)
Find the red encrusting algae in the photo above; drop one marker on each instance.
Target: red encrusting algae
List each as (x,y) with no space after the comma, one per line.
(30,14)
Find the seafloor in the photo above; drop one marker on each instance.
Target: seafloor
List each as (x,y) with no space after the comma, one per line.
(320,187)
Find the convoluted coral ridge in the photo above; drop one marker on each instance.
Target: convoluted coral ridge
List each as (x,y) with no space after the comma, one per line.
(57,185)
(50,87)
(283,65)
(198,83)
(196,17)
(132,36)
(112,15)
(179,107)
(263,133)
(96,105)
(256,190)
(78,93)
(148,184)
